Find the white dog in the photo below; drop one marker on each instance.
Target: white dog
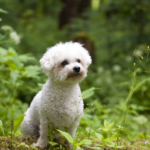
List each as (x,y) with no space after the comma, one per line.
(60,101)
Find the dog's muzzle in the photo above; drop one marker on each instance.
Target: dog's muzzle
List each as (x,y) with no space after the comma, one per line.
(76,69)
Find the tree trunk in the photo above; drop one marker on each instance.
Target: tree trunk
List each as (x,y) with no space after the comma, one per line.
(68,12)
(72,9)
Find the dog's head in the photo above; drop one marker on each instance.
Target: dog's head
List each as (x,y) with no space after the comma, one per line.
(66,62)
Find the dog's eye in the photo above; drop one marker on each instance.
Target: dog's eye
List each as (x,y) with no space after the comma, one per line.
(78,60)
(64,63)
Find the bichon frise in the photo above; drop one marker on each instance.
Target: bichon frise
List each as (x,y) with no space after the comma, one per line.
(60,101)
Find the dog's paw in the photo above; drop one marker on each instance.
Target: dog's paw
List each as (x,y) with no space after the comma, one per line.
(40,145)
(35,144)
(78,148)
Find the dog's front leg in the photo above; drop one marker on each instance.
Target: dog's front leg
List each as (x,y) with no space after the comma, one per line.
(43,139)
(73,129)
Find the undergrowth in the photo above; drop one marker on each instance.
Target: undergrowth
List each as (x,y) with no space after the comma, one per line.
(119,127)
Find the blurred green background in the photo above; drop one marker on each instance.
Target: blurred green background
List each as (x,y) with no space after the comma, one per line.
(116,33)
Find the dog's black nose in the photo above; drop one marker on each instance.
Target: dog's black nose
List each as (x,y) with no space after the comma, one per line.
(76,69)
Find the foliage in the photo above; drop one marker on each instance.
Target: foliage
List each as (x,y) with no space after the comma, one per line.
(88,93)
(15,76)
(74,142)
(17,123)
(13,72)
(120,33)
(36,23)
(1,128)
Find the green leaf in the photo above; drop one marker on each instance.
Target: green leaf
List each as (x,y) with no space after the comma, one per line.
(66,135)
(14,76)
(105,123)
(52,143)
(112,144)
(1,127)
(40,85)
(107,126)
(99,136)
(103,141)
(88,93)
(3,11)
(17,122)
(26,57)
(110,126)
(111,139)
(31,71)
(86,142)
(89,130)
(76,144)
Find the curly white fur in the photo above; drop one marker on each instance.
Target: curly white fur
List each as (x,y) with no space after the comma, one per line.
(60,101)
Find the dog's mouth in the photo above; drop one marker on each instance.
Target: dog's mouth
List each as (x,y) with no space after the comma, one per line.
(74,75)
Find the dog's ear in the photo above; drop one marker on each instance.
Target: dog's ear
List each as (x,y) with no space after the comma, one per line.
(88,58)
(47,62)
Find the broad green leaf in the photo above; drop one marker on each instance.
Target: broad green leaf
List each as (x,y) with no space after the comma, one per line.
(40,85)
(111,139)
(110,126)
(3,11)
(86,142)
(12,66)
(52,143)
(99,136)
(103,141)
(77,144)
(14,76)
(66,135)
(17,122)
(89,130)
(26,57)
(105,130)
(1,127)
(105,123)
(107,126)
(88,93)
(31,71)
(112,144)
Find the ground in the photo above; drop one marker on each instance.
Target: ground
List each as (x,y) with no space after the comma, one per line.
(24,143)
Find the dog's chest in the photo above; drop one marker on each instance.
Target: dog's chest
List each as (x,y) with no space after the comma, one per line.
(62,102)
(62,105)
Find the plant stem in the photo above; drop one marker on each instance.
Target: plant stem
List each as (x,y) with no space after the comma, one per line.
(127,102)
(11,132)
